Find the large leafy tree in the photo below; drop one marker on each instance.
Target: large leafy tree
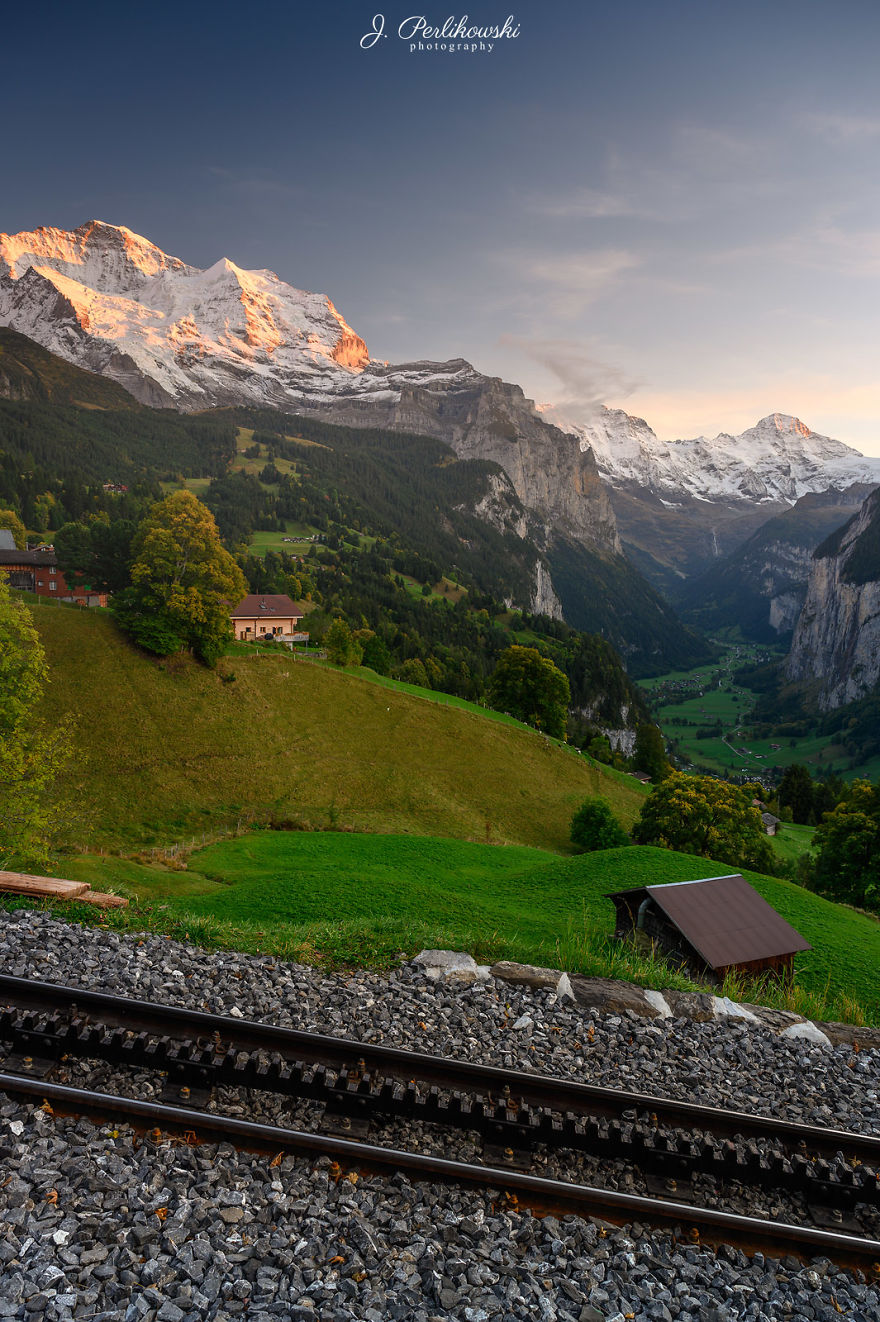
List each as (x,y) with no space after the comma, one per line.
(183,581)
(532,688)
(796,792)
(10,520)
(848,848)
(31,753)
(701,815)
(96,554)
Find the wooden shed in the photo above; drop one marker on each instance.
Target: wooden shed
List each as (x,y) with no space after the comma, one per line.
(710,926)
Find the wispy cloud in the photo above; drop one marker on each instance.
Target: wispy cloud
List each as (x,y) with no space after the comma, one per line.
(565,283)
(841,129)
(582,204)
(823,246)
(586,381)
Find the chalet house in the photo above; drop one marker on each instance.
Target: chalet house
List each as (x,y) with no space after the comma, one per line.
(37,571)
(267,615)
(710,927)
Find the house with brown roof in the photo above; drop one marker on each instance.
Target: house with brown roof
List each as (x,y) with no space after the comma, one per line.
(267,615)
(710,926)
(37,571)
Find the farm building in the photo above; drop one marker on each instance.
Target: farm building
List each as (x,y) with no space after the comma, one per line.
(710,926)
(37,571)
(266,615)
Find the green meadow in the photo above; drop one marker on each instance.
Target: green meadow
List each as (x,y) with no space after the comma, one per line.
(341,898)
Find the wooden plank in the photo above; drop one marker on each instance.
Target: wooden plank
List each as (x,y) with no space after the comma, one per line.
(24,883)
(101,900)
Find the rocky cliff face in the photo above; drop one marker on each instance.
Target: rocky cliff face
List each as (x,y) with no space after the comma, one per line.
(486,418)
(836,644)
(762,586)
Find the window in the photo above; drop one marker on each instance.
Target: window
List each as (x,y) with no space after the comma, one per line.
(52,587)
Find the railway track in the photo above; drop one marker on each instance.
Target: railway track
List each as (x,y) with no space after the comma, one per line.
(354,1092)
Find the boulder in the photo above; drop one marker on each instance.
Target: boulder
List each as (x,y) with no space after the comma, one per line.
(808,1032)
(867,1038)
(447,965)
(525,975)
(659,1002)
(776,1020)
(612,997)
(725,1008)
(699,1006)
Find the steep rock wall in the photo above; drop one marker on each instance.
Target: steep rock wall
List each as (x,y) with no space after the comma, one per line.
(836,644)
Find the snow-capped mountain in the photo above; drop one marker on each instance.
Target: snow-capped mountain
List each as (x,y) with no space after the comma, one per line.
(110,301)
(778,460)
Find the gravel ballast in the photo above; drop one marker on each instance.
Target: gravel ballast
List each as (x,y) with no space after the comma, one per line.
(102,1224)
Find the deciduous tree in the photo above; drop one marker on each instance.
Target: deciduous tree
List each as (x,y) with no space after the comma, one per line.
(594,826)
(31,754)
(183,582)
(532,688)
(701,815)
(342,647)
(9,519)
(848,848)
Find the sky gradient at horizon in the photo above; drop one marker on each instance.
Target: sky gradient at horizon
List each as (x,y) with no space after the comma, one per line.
(671,208)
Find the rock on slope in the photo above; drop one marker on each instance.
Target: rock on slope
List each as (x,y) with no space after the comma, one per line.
(836,644)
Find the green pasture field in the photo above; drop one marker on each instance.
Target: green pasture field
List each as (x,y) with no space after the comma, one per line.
(348,898)
(261,541)
(732,704)
(168,751)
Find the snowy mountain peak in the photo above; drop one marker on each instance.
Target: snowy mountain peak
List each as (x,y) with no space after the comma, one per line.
(108,258)
(782,424)
(113,302)
(778,460)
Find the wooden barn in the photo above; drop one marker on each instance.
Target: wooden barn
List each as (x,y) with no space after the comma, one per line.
(710,926)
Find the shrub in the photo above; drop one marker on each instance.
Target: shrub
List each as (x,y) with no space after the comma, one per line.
(594,826)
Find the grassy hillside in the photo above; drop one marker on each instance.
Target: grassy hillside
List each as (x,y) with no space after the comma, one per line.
(367,898)
(169,750)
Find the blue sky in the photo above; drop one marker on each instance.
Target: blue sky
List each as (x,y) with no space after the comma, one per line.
(669,207)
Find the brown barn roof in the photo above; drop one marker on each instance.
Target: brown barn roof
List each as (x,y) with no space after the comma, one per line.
(726,920)
(25,558)
(266,605)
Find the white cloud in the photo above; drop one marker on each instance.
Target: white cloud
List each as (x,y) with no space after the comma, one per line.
(841,129)
(586,380)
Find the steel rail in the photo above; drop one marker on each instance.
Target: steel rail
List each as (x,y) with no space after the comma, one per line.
(545,1091)
(693,1223)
